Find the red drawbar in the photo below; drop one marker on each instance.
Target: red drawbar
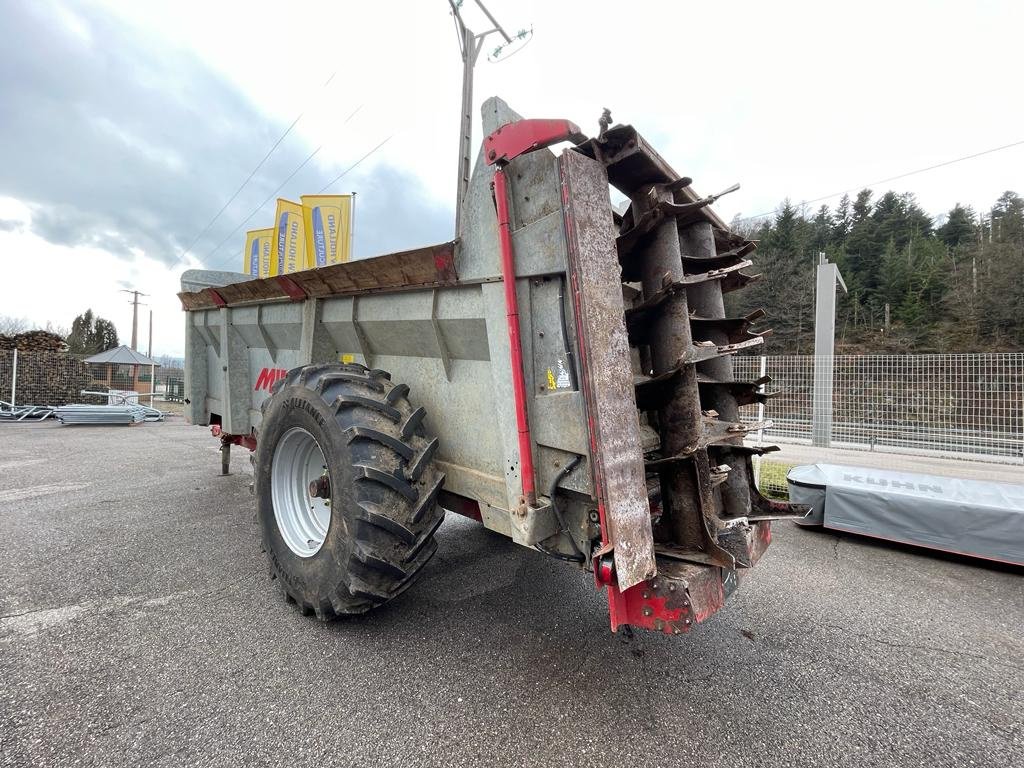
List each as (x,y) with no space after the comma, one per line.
(508,276)
(246,441)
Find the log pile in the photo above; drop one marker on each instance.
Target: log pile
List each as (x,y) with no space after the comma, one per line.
(33,341)
(44,377)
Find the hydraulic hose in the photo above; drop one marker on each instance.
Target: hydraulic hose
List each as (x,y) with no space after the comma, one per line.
(570,358)
(579,557)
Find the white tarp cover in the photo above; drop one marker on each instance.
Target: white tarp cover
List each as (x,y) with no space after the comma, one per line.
(971,517)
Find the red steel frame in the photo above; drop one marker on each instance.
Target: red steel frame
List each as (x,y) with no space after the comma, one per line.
(501,147)
(643,605)
(508,277)
(637,606)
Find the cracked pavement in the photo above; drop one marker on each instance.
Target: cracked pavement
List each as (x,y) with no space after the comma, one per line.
(138,626)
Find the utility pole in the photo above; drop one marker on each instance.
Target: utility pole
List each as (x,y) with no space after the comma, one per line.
(135,315)
(470,45)
(824,350)
(149,349)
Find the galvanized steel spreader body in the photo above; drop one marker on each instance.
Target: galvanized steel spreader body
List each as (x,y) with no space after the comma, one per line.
(559,372)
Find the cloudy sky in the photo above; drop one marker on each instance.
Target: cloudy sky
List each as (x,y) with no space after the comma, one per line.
(125,127)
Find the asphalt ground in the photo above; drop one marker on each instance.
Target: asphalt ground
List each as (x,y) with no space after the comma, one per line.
(138,626)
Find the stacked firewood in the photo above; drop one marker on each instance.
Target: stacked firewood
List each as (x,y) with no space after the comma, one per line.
(34,341)
(47,375)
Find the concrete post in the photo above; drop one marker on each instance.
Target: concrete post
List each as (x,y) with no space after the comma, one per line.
(760,420)
(14,380)
(824,349)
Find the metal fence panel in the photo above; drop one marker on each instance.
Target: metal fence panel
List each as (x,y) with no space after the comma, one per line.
(966,407)
(42,378)
(59,378)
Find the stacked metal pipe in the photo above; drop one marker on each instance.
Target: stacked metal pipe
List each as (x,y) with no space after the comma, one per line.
(106,414)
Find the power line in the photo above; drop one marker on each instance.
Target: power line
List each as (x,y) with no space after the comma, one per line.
(280,187)
(259,207)
(241,187)
(342,175)
(331,183)
(253,173)
(891,178)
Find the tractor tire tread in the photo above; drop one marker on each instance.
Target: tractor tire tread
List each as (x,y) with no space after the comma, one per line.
(393,510)
(369,433)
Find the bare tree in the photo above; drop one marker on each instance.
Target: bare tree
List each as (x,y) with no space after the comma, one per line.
(10,325)
(59,330)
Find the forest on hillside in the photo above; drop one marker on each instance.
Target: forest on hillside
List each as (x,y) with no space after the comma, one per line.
(955,284)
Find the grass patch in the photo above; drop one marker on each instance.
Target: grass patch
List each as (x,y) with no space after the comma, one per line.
(773,479)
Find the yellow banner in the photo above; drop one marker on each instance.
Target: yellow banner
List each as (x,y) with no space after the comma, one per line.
(328,229)
(289,254)
(259,244)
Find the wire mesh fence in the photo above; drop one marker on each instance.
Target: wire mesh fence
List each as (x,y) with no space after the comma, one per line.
(964,407)
(50,379)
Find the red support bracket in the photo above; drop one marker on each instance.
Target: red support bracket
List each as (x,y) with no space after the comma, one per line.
(293,289)
(217,299)
(508,277)
(460,505)
(681,595)
(523,136)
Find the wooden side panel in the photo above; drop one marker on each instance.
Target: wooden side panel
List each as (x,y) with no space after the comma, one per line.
(607,373)
(422,267)
(433,265)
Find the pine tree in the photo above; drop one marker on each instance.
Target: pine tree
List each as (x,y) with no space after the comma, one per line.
(1008,219)
(91,334)
(80,339)
(959,228)
(843,220)
(822,229)
(901,219)
(863,250)
(861,207)
(104,335)
(954,288)
(786,262)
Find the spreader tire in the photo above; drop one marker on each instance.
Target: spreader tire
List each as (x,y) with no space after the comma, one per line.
(370,530)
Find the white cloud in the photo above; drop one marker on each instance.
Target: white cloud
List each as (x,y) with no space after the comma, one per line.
(796,99)
(45,283)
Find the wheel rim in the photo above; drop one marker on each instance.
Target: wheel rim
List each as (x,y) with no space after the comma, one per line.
(302,519)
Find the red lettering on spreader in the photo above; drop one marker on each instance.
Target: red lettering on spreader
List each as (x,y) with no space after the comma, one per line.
(268,377)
